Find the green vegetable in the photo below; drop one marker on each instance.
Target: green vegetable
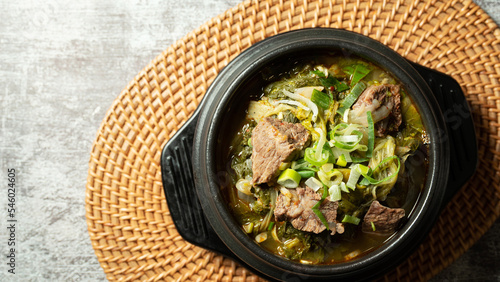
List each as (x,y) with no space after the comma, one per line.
(310,157)
(373,225)
(363,169)
(410,114)
(359,73)
(289,178)
(374,181)
(343,187)
(335,194)
(358,159)
(271,225)
(326,175)
(353,178)
(352,97)
(349,69)
(351,219)
(346,142)
(322,218)
(331,81)
(341,161)
(300,164)
(371,134)
(318,73)
(321,99)
(306,173)
(316,210)
(248,227)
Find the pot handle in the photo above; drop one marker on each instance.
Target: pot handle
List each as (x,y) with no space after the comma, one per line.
(460,127)
(182,199)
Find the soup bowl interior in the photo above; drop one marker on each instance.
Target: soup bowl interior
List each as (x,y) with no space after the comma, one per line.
(222,113)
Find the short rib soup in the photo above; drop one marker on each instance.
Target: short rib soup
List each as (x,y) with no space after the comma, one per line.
(328,161)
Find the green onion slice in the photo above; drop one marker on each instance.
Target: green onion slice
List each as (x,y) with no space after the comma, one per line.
(341,161)
(335,194)
(374,181)
(348,142)
(349,69)
(371,134)
(358,159)
(359,73)
(310,157)
(320,215)
(289,178)
(352,97)
(318,73)
(351,219)
(316,210)
(353,178)
(306,173)
(332,81)
(344,188)
(301,164)
(321,99)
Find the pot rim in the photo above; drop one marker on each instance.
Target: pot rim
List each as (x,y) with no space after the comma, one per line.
(234,76)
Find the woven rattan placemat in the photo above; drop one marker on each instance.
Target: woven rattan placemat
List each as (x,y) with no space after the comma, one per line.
(128,220)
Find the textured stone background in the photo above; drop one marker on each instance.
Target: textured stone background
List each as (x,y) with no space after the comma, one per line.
(62,63)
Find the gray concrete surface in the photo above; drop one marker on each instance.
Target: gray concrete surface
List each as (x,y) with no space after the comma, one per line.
(62,63)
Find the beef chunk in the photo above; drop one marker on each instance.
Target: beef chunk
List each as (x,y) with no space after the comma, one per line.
(275,141)
(384,102)
(298,210)
(385,219)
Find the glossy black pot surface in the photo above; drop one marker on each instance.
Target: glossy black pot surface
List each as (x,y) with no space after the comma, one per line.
(212,226)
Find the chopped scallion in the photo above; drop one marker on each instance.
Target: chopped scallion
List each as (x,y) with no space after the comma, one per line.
(299,164)
(328,82)
(363,169)
(306,173)
(316,210)
(284,166)
(346,140)
(353,178)
(359,73)
(248,227)
(343,187)
(373,181)
(352,97)
(289,178)
(349,69)
(371,134)
(318,73)
(314,183)
(331,81)
(351,219)
(327,167)
(335,194)
(321,99)
(341,161)
(358,159)
(310,157)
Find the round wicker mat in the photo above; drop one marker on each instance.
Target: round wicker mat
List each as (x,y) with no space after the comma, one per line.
(128,220)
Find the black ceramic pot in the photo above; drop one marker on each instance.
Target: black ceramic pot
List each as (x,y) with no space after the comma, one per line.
(193,170)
